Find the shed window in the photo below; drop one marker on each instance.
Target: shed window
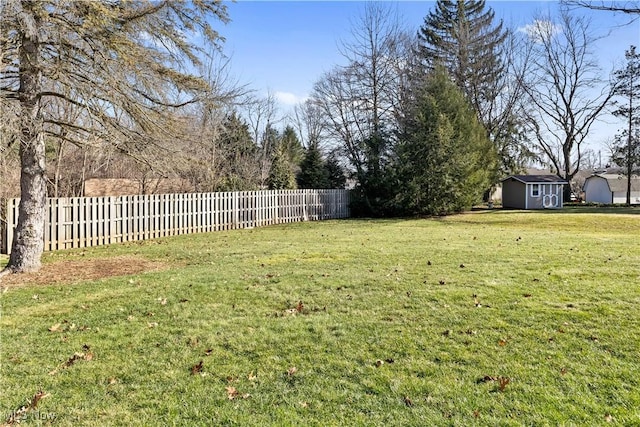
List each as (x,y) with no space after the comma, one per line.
(535,190)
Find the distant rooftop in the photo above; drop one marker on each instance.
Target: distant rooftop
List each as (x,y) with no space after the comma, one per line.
(553,179)
(618,182)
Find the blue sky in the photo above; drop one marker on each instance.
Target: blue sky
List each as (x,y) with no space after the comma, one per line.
(285,46)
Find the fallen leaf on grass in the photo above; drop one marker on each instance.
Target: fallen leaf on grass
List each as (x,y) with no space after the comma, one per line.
(608,418)
(197,368)
(291,371)
(70,361)
(73,359)
(55,328)
(233,393)
(503,382)
(87,352)
(408,401)
(208,352)
(299,307)
(17,416)
(502,343)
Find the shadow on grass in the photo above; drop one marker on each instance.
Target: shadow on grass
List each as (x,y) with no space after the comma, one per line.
(498,211)
(609,210)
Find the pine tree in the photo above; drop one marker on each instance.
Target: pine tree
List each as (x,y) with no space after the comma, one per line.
(281,176)
(313,171)
(460,36)
(291,145)
(240,163)
(444,160)
(335,172)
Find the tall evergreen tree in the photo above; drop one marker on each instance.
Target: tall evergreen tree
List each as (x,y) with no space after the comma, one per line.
(335,172)
(462,37)
(240,165)
(445,160)
(626,151)
(281,175)
(313,173)
(291,146)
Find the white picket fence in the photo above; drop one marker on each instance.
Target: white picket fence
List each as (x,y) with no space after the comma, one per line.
(78,222)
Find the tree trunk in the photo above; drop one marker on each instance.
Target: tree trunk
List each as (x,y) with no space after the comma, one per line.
(630,139)
(28,242)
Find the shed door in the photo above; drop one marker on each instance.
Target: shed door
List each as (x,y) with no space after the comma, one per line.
(550,198)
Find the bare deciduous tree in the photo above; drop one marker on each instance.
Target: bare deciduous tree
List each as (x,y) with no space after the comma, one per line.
(630,7)
(309,123)
(126,66)
(361,99)
(565,90)
(261,114)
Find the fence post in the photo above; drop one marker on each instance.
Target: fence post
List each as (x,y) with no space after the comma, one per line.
(4,227)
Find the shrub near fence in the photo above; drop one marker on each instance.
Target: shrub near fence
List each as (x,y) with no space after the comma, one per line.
(78,222)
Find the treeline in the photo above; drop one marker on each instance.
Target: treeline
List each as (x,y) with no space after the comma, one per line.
(215,154)
(419,122)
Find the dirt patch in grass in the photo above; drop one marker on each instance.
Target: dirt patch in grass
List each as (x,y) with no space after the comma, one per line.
(71,271)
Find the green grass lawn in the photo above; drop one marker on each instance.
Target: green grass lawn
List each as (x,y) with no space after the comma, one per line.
(488,318)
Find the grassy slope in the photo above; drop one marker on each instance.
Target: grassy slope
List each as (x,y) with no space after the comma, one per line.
(549,301)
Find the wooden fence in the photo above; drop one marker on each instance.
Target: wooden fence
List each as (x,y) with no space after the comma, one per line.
(78,222)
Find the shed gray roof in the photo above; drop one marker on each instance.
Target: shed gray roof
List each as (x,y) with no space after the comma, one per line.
(537,179)
(618,183)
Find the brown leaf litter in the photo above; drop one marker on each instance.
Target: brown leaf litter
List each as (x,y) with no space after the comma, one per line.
(77,270)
